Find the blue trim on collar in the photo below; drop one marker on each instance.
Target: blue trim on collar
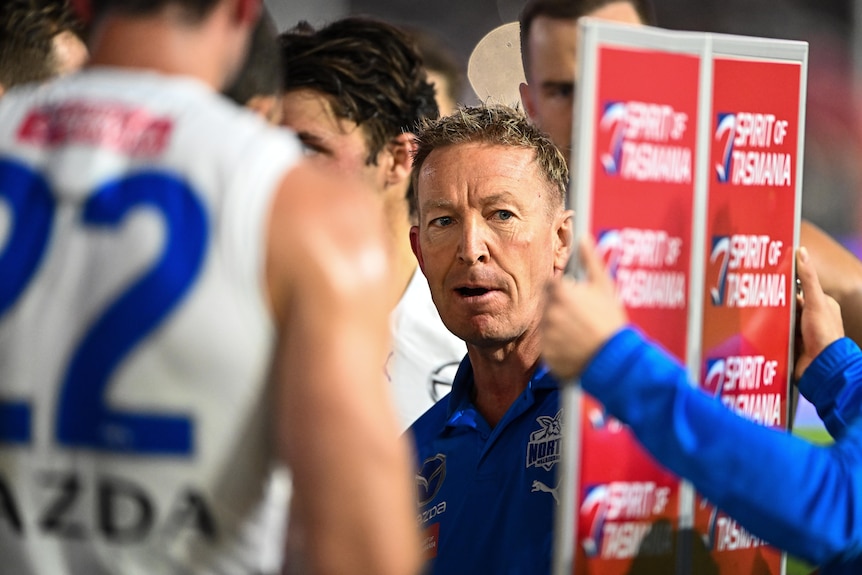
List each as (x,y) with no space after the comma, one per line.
(460,409)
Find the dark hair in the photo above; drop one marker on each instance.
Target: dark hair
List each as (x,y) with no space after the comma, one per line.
(261,73)
(571,10)
(191,10)
(27,31)
(439,58)
(371,71)
(496,125)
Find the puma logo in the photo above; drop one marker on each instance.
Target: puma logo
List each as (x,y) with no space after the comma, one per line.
(539,486)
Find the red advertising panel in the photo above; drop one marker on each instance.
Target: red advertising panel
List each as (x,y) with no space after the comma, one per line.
(748,266)
(643,164)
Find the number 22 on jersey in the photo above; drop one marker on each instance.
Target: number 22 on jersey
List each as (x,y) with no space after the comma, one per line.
(83,418)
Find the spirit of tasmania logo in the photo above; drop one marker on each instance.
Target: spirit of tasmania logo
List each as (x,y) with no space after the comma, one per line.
(753,149)
(609,245)
(593,513)
(713,380)
(720,253)
(725,133)
(613,120)
(645,142)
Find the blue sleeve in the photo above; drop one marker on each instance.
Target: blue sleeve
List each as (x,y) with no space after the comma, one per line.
(803,498)
(833,384)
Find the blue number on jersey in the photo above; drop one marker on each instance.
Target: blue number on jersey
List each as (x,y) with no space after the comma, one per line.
(84,419)
(32,210)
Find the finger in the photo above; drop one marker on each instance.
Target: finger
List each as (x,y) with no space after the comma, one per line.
(591,262)
(812,292)
(562,300)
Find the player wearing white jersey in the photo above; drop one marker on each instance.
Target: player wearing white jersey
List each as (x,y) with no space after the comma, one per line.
(354,91)
(183,303)
(425,355)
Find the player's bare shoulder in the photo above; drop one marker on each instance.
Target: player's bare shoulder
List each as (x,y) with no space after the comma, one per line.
(325,234)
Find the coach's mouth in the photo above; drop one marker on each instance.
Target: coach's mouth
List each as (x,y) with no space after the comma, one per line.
(472,291)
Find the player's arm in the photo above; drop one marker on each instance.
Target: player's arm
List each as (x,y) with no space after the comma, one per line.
(779,487)
(836,393)
(840,274)
(353,477)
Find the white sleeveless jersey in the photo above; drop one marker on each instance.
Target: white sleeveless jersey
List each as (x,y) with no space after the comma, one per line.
(425,354)
(135,337)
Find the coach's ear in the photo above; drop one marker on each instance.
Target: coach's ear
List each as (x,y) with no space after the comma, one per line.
(563,240)
(2,90)
(416,246)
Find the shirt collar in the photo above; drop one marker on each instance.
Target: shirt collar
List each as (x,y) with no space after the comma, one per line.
(462,411)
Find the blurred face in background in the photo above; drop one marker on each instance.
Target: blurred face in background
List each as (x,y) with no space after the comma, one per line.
(442,89)
(333,143)
(548,95)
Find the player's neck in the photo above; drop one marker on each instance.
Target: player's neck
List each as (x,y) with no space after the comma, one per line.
(403,267)
(159,44)
(403,260)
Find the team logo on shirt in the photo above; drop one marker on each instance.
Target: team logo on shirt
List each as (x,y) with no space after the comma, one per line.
(543,449)
(540,486)
(430,478)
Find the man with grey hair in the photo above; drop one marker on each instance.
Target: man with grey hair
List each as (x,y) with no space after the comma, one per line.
(493,230)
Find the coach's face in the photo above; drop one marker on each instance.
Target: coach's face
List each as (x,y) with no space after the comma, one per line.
(492,233)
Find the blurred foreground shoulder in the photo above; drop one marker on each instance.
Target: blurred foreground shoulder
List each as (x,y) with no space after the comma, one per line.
(327,269)
(326,233)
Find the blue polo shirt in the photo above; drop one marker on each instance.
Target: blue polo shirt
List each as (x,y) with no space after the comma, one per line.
(487,496)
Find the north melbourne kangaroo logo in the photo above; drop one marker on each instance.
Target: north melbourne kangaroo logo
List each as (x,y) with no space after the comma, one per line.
(543,449)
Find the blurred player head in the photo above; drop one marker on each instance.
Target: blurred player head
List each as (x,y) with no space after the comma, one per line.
(444,70)
(258,85)
(38,40)
(353,92)
(548,52)
(230,22)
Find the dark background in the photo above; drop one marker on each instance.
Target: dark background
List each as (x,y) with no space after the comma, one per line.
(832,170)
